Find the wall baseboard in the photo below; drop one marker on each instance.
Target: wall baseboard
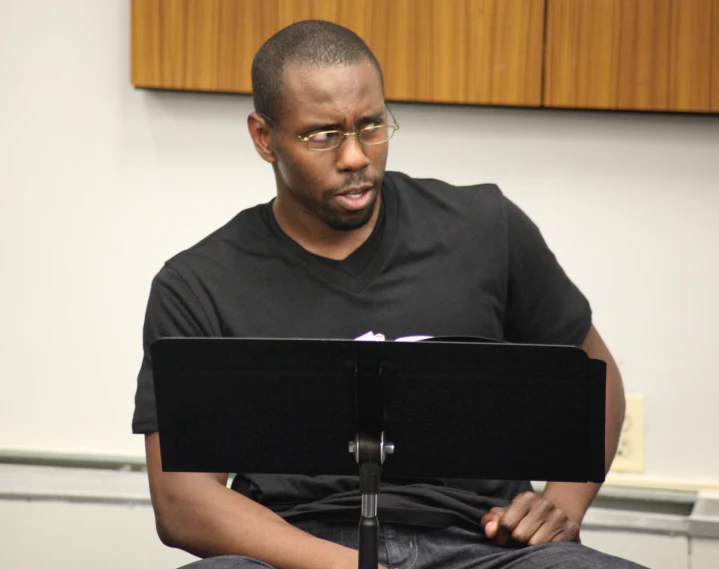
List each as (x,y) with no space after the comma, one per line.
(670,512)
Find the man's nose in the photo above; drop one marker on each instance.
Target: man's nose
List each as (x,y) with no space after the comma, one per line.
(352,154)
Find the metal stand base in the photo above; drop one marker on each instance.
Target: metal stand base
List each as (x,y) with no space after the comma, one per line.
(370,472)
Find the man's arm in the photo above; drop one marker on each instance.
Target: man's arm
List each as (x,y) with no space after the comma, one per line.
(196,512)
(574,498)
(558,514)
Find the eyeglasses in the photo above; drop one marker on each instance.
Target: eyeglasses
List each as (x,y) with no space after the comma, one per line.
(331,139)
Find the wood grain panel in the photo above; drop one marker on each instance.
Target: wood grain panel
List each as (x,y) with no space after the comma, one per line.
(655,55)
(449,51)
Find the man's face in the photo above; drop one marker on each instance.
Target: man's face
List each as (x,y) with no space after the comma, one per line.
(338,187)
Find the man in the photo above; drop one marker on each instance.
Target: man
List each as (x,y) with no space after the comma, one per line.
(344,249)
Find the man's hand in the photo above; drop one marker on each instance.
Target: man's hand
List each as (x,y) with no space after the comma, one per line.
(529,520)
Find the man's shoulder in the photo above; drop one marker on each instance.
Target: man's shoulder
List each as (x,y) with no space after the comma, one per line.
(433,186)
(242,235)
(472,199)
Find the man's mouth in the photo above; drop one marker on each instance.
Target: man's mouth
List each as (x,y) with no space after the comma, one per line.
(355,199)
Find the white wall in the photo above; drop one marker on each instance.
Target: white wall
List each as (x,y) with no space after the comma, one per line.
(99,183)
(117,536)
(91,518)
(83,536)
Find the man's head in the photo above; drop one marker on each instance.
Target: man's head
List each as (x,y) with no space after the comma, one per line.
(311,44)
(308,78)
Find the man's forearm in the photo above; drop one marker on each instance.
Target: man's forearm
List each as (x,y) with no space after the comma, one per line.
(196,512)
(575,498)
(614,411)
(223,522)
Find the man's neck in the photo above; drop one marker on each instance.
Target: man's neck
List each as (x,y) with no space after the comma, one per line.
(319,239)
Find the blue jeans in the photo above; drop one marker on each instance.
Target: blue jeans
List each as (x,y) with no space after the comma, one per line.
(410,547)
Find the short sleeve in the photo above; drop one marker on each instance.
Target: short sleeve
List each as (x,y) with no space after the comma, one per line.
(543,305)
(172,311)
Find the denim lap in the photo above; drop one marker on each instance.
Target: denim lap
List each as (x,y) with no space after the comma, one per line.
(228,562)
(409,547)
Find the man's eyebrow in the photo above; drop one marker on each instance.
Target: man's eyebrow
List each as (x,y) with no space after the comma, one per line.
(319,126)
(379,116)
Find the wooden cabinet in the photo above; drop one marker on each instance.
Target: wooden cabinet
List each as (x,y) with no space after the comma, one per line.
(444,51)
(461,51)
(652,55)
(648,55)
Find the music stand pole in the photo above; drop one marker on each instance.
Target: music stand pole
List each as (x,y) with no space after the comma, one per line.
(369,450)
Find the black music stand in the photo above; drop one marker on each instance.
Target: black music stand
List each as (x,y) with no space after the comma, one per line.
(298,406)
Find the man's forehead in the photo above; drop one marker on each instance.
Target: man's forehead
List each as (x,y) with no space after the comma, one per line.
(312,90)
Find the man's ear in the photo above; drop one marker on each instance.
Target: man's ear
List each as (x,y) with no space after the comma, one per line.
(261,137)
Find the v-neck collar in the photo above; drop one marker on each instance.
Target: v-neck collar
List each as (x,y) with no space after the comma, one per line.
(360,268)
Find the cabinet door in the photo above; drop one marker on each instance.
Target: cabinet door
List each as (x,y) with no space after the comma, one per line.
(448,51)
(655,55)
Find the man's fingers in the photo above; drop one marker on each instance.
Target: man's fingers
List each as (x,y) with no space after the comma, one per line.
(489,521)
(569,533)
(529,520)
(551,529)
(512,516)
(558,527)
(533,522)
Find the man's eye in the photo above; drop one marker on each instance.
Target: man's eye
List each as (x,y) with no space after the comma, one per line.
(325,136)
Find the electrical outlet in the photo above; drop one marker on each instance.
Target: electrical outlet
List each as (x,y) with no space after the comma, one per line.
(630,454)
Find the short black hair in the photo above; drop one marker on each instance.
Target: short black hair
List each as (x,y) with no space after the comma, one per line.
(312,42)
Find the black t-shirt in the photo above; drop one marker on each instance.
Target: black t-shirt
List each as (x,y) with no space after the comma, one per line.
(441,261)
